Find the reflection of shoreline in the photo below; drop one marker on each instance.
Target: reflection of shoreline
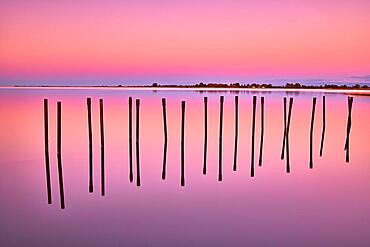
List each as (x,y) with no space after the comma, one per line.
(355,91)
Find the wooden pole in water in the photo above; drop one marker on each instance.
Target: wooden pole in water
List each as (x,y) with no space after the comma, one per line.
(182,143)
(59,153)
(102,147)
(287,136)
(131,174)
(47,162)
(262,130)
(165,138)
(89,124)
(284,136)
(349,124)
(253,130)
(220,139)
(348,116)
(323,125)
(236,131)
(311,130)
(205,136)
(102,154)
(138,182)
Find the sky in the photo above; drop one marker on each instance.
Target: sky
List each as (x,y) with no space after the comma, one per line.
(139,42)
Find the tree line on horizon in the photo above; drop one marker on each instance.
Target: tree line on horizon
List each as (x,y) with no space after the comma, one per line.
(263,85)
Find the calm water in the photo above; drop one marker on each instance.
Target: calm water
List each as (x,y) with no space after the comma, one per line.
(325,206)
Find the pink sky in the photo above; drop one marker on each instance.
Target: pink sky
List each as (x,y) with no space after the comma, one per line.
(167,41)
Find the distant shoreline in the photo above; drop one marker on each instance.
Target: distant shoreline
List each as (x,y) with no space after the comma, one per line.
(212,86)
(352,90)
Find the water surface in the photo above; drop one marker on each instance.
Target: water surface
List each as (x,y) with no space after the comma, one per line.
(325,206)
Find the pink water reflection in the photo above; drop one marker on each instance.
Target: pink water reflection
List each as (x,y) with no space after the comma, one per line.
(328,205)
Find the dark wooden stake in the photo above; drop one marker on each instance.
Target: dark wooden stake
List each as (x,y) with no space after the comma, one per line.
(47,162)
(131,174)
(262,130)
(59,153)
(138,182)
(205,136)
(220,139)
(165,138)
(284,136)
(102,147)
(253,130)
(349,125)
(323,125)
(182,143)
(236,132)
(89,124)
(311,130)
(287,135)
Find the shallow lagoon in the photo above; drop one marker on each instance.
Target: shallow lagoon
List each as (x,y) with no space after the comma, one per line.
(327,205)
